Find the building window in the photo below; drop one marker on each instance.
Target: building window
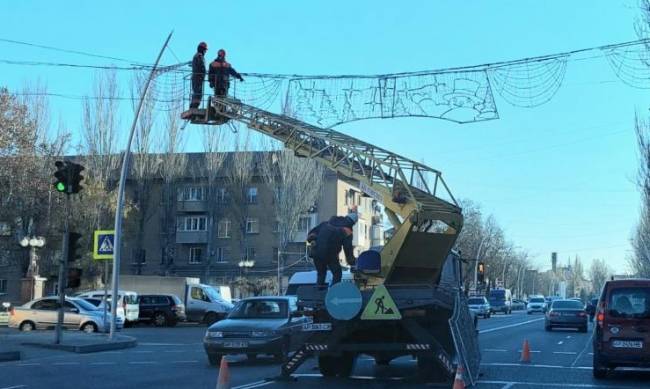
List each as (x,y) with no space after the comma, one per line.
(3,286)
(192,193)
(276,252)
(276,226)
(5,229)
(249,254)
(196,255)
(252,226)
(192,223)
(221,255)
(252,195)
(223,229)
(304,223)
(222,196)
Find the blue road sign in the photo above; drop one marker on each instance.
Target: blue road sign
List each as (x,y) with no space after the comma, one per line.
(343,301)
(103,246)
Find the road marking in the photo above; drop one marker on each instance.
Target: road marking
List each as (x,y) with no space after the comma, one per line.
(142,352)
(17,386)
(532,351)
(251,385)
(65,363)
(583,350)
(496,350)
(546,384)
(485,331)
(102,363)
(565,352)
(169,344)
(143,363)
(113,352)
(537,366)
(174,351)
(193,361)
(28,364)
(508,385)
(560,342)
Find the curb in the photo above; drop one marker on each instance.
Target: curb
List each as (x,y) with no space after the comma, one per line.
(87,348)
(7,356)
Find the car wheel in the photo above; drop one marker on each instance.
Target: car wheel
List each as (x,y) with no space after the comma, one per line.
(346,365)
(159,319)
(327,365)
(211,318)
(547,327)
(583,329)
(89,328)
(215,359)
(27,326)
(599,371)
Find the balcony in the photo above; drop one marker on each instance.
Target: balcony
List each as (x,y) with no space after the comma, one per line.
(192,206)
(191,237)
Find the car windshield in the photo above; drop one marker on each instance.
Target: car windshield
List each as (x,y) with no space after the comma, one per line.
(630,302)
(84,305)
(260,309)
(567,304)
(212,294)
(537,300)
(476,301)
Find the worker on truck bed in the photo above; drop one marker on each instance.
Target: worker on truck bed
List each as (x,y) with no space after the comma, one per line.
(219,74)
(198,74)
(329,237)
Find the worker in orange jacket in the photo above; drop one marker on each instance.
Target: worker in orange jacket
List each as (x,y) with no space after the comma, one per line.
(219,74)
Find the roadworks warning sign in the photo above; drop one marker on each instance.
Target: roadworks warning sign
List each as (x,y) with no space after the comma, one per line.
(381,306)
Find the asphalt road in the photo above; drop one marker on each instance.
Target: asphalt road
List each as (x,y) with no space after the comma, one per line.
(174,358)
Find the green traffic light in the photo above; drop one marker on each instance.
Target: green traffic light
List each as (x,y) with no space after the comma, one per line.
(60,187)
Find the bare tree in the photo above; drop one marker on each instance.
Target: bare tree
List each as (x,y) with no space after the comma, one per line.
(640,260)
(599,272)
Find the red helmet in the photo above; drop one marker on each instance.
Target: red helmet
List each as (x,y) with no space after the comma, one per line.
(221,53)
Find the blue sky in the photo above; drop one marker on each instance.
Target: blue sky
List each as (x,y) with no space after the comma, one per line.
(559,177)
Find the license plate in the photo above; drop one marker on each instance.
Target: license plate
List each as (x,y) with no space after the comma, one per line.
(317,327)
(235,344)
(627,344)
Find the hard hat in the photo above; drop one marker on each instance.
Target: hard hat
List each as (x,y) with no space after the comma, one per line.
(203,45)
(221,53)
(353,216)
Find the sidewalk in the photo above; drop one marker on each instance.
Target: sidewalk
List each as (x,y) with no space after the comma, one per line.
(16,345)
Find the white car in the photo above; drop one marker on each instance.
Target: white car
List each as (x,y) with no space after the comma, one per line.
(128,306)
(479,306)
(536,304)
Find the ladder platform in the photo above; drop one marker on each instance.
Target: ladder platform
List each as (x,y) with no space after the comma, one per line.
(204,116)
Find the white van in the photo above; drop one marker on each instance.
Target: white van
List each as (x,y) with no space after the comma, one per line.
(303,278)
(128,305)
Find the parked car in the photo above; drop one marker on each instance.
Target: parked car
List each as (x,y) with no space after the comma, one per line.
(480,306)
(127,304)
(161,309)
(518,305)
(501,300)
(622,330)
(42,313)
(536,304)
(566,314)
(257,325)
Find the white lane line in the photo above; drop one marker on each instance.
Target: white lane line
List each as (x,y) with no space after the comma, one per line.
(508,385)
(102,363)
(251,385)
(28,364)
(112,352)
(583,350)
(546,384)
(565,352)
(169,344)
(568,336)
(560,342)
(142,352)
(14,387)
(532,351)
(537,366)
(174,351)
(65,363)
(192,361)
(495,350)
(143,363)
(485,331)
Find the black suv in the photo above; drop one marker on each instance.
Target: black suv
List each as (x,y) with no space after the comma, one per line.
(161,309)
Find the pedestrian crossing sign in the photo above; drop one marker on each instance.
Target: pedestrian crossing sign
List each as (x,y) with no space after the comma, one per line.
(103,244)
(381,306)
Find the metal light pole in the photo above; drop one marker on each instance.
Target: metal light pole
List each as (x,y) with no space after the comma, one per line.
(120,193)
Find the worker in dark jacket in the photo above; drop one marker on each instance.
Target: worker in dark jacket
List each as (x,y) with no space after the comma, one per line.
(198,74)
(329,237)
(219,74)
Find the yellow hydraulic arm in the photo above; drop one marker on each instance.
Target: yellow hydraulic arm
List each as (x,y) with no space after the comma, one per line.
(426,225)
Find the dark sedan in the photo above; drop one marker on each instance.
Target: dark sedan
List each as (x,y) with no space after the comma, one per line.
(566,314)
(257,325)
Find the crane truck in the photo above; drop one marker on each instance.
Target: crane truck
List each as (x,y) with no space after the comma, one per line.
(407,300)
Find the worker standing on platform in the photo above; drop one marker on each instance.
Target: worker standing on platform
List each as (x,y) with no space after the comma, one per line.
(329,237)
(198,74)
(219,74)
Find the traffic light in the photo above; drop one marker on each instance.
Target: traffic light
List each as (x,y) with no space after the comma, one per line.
(74,247)
(75,170)
(74,277)
(61,175)
(480,271)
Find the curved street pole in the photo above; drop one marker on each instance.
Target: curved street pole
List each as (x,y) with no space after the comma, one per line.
(120,195)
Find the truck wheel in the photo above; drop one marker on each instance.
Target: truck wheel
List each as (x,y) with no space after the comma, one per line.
(159,319)
(215,359)
(346,365)
(327,365)
(599,371)
(430,371)
(211,318)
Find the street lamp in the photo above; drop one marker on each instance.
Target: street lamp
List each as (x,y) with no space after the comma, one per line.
(244,265)
(32,286)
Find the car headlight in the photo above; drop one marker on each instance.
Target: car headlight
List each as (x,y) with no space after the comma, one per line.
(261,334)
(214,334)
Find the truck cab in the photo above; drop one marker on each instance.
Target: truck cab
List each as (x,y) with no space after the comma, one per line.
(205,303)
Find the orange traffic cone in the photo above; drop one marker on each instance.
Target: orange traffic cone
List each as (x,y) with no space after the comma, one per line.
(223,382)
(525,352)
(459,382)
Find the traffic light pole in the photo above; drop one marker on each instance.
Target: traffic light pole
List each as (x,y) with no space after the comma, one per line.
(63,264)
(117,251)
